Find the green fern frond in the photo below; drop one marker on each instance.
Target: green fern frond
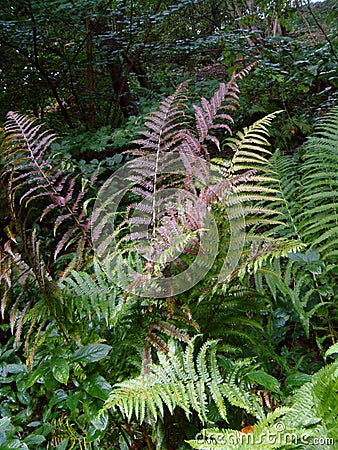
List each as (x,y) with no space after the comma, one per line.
(310,189)
(249,147)
(287,176)
(315,404)
(93,294)
(266,250)
(229,312)
(180,380)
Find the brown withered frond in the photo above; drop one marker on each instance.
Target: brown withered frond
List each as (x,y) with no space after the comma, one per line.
(32,177)
(165,125)
(34,186)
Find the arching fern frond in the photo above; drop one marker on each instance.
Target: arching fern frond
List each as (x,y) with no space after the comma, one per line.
(253,182)
(184,380)
(249,173)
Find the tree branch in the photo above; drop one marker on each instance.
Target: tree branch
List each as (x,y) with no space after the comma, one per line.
(322,30)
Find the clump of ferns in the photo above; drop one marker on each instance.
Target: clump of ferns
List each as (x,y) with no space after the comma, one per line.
(307,182)
(168,131)
(239,185)
(311,412)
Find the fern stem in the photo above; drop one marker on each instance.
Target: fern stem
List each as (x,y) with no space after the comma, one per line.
(146,437)
(133,445)
(155,181)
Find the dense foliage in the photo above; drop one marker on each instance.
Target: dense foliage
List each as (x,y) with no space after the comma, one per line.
(234,106)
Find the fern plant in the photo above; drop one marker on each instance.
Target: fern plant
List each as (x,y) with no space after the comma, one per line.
(309,188)
(309,421)
(318,219)
(85,294)
(31,175)
(260,196)
(308,185)
(35,187)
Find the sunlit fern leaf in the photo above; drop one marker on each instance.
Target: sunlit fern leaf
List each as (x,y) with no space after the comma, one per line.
(264,250)
(315,403)
(250,147)
(246,187)
(254,184)
(250,174)
(237,389)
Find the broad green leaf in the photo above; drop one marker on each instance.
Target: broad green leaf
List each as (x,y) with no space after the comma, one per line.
(297,379)
(72,400)
(24,397)
(97,387)
(60,370)
(59,396)
(100,422)
(4,423)
(16,368)
(264,379)
(91,353)
(34,439)
(93,434)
